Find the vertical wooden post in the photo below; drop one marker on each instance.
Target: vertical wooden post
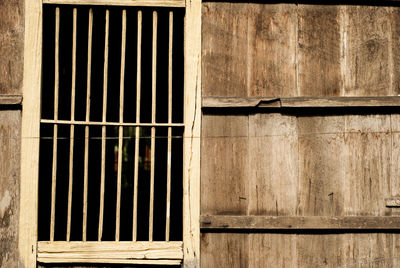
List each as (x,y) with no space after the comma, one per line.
(191,141)
(28,214)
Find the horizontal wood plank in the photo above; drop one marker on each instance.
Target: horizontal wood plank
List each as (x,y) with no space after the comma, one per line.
(111,252)
(6,99)
(151,3)
(299,222)
(299,102)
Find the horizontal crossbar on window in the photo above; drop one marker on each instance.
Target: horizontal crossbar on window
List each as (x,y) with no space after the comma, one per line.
(151,3)
(167,253)
(93,123)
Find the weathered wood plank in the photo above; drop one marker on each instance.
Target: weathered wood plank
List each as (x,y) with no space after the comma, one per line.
(273,250)
(321,140)
(299,102)
(224,49)
(224,164)
(367,69)
(117,251)
(271,43)
(367,165)
(11,46)
(319,50)
(10,137)
(224,250)
(272,176)
(6,99)
(252,55)
(226,222)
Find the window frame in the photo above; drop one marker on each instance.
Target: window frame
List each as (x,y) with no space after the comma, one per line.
(28,219)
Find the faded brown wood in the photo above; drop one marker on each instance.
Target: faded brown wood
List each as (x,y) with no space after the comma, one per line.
(367,165)
(10,137)
(223,184)
(11,46)
(271,172)
(224,250)
(214,222)
(299,102)
(6,99)
(253,49)
(319,49)
(321,140)
(366,58)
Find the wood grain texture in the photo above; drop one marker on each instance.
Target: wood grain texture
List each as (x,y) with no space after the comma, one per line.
(367,67)
(251,223)
(271,172)
(367,164)
(11,46)
(319,50)
(10,138)
(300,102)
(224,250)
(63,252)
(252,54)
(321,140)
(252,49)
(224,165)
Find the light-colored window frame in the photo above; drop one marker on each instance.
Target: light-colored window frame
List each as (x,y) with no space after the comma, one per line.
(31,132)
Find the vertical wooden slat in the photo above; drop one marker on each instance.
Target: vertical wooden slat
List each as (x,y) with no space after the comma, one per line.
(167,222)
(86,154)
(153,120)
(103,129)
(72,127)
(121,129)
(137,130)
(55,133)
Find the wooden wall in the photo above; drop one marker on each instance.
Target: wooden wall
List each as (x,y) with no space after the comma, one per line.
(296,163)
(11,72)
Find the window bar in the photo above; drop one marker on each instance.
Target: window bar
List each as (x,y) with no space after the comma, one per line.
(121,129)
(72,127)
(137,129)
(103,129)
(55,133)
(153,120)
(167,222)
(86,153)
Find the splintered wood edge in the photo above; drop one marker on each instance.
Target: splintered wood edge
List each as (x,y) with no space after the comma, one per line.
(210,222)
(299,102)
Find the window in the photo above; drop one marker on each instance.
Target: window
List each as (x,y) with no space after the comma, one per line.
(114,150)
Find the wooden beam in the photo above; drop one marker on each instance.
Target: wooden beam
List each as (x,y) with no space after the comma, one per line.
(10,99)
(111,252)
(298,223)
(300,102)
(151,3)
